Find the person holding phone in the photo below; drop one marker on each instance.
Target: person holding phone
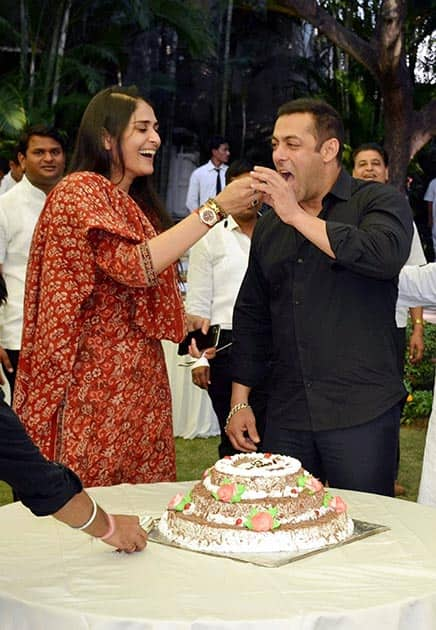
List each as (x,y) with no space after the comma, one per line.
(101,293)
(216,268)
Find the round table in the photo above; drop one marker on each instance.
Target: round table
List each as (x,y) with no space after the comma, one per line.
(55,578)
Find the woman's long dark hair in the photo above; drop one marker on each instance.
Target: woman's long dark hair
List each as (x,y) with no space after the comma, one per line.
(110,111)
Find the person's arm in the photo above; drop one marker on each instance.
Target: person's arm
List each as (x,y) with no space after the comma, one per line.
(120,531)
(416,340)
(281,196)
(173,243)
(378,247)
(199,292)
(251,348)
(241,423)
(417,285)
(49,488)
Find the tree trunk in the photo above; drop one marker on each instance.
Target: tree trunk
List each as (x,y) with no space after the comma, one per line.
(226,68)
(24,19)
(171,71)
(61,51)
(384,56)
(51,61)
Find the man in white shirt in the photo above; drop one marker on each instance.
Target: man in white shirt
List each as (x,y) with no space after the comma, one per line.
(430,198)
(217,265)
(371,162)
(208,180)
(41,153)
(14,175)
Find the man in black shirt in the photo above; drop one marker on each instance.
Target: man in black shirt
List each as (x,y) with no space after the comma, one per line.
(319,296)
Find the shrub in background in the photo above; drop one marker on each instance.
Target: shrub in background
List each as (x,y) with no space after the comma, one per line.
(419,379)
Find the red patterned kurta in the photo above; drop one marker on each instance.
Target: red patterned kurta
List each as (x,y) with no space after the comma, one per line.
(92,387)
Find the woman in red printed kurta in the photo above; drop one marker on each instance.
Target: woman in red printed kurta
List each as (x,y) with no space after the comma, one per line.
(101,293)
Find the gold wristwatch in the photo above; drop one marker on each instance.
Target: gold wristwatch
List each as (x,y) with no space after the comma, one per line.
(211,213)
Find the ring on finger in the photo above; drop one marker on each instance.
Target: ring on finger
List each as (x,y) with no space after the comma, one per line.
(254,203)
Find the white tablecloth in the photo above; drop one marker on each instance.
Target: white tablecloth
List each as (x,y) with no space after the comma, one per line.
(55,578)
(193,414)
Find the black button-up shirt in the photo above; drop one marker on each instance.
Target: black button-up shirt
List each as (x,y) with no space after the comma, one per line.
(322,331)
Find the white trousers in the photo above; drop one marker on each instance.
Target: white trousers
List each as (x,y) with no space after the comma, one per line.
(427,487)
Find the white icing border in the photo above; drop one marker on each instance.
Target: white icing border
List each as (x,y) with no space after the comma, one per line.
(279,465)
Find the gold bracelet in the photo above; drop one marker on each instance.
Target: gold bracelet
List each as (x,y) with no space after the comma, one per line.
(418,321)
(235,409)
(217,208)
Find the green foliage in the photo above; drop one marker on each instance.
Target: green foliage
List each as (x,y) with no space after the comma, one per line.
(5,493)
(421,375)
(419,380)
(12,113)
(191,23)
(417,407)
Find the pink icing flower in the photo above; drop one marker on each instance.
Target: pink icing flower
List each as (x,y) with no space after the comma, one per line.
(226,491)
(175,501)
(262,522)
(314,484)
(338,505)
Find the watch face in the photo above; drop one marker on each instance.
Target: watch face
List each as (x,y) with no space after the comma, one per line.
(208,216)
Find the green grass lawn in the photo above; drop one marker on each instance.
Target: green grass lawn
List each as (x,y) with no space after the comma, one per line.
(193,456)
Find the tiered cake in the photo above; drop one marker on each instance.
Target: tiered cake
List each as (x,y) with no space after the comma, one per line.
(256,502)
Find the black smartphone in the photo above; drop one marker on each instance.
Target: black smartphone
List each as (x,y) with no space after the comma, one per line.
(203,341)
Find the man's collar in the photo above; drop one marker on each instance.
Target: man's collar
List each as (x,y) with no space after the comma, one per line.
(342,186)
(212,166)
(28,184)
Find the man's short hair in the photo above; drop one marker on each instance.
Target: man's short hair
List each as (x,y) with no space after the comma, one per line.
(4,165)
(13,157)
(45,131)
(328,123)
(237,168)
(215,142)
(371,146)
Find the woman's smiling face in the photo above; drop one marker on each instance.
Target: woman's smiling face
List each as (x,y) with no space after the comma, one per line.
(139,144)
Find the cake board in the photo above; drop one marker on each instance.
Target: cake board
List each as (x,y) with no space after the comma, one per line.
(362,529)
